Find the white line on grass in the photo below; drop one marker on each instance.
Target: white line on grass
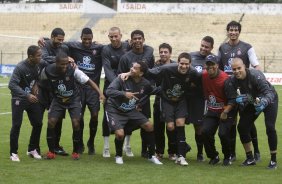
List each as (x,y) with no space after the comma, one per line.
(4,113)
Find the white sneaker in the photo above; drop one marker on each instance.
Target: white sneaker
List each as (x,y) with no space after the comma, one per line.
(34,154)
(106,153)
(14,157)
(119,160)
(181,161)
(155,160)
(127,151)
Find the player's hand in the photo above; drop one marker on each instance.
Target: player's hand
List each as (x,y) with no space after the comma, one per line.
(259,107)
(131,95)
(72,63)
(124,76)
(223,116)
(241,99)
(35,90)
(32,98)
(41,42)
(102,98)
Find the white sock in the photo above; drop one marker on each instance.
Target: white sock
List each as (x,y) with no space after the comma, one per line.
(127,141)
(106,142)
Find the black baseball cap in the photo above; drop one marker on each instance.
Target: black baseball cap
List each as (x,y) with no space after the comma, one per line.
(212,58)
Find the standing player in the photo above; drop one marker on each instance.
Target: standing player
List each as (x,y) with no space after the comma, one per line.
(122,107)
(174,80)
(219,113)
(87,56)
(49,51)
(195,97)
(63,80)
(165,51)
(111,55)
(237,48)
(254,94)
(137,53)
(21,85)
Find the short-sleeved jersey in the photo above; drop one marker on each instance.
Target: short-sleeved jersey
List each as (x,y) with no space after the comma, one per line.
(64,86)
(214,91)
(49,52)
(198,61)
(227,52)
(116,93)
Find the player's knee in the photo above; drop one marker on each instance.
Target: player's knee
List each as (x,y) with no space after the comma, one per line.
(148,127)
(119,134)
(170,127)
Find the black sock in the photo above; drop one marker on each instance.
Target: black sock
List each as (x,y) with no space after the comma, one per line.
(75,140)
(172,145)
(273,157)
(255,144)
(181,142)
(118,144)
(200,143)
(92,131)
(233,133)
(50,139)
(150,140)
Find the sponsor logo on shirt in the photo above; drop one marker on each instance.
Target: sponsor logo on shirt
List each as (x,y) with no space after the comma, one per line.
(63,91)
(130,106)
(86,64)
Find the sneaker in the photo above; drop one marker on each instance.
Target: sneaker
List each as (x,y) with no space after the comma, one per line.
(155,160)
(34,154)
(75,156)
(172,157)
(14,157)
(50,155)
(226,162)
(272,165)
(200,158)
(248,162)
(91,149)
(159,156)
(119,160)
(257,157)
(127,151)
(106,153)
(181,161)
(214,161)
(233,157)
(60,151)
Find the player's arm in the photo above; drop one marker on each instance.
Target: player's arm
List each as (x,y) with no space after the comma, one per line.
(253,58)
(109,72)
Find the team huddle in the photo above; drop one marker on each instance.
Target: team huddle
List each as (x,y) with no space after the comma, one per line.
(200,88)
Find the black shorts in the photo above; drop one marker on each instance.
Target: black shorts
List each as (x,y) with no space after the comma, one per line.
(173,110)
(118,120)
(196,108)
(58,110)
(90,97)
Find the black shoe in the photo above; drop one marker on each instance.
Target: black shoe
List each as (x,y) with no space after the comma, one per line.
(60,151)
(214,161)
(91,149)
(226,162)
(200,158)
(248,162)
(233,157)
(257,157)
(272,165)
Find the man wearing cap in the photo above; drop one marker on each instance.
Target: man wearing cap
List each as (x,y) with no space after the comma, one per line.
(219,112)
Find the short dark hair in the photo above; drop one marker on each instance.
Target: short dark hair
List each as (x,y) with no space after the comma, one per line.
(209,39)
(60,55)
(139,32)
(167,46)
(86,30)
(57,31)
(233,23)
(184,55)
(143,66)
(31,50)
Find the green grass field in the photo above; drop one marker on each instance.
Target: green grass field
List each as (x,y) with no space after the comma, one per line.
(96,169)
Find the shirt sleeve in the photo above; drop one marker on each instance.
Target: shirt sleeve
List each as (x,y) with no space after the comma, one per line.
(81,77)
(252,57)
(109,72)
(14,84)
